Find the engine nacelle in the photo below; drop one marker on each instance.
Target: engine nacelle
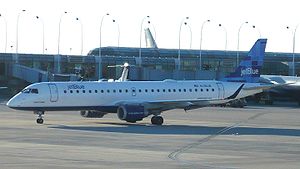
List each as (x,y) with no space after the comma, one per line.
(132,113)
(92,114)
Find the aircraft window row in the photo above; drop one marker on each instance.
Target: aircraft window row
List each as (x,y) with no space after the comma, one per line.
(35,91)
(139,90)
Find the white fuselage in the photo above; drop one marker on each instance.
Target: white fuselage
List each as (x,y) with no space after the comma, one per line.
(104,95)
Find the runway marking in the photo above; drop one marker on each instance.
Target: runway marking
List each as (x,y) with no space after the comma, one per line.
(175,154)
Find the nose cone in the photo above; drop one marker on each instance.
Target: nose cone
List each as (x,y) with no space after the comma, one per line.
(13,103)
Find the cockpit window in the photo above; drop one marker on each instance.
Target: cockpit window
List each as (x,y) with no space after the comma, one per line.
(26,91)
(35,91)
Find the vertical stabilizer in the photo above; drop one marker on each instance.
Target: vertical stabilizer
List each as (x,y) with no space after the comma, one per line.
(250,67)
(150,42)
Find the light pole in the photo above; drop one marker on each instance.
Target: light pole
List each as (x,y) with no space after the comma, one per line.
(200,52)
(118,32)
(238,43)
(5,31)
(220,25)
(140,50)
(17,32)
(294,43)
(258,30)
(81,35)
(58,41)
(183,21)
(43,33)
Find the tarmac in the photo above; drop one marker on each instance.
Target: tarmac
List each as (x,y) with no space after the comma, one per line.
(256,136)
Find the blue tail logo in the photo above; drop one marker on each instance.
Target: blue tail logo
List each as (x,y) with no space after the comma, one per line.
(250,66)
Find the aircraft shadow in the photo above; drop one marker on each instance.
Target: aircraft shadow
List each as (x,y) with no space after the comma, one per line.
(181,130)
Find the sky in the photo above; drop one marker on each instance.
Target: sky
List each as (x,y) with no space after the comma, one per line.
(270,19)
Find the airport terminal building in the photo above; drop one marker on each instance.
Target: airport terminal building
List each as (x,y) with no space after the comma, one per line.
(150,64)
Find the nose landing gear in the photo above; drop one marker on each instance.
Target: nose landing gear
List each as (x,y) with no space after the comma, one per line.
(39,119)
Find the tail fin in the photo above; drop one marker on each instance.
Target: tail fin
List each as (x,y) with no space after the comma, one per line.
(249,68)
(150,42)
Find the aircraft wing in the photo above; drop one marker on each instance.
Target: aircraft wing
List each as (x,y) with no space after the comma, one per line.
(163,105)
(267,86)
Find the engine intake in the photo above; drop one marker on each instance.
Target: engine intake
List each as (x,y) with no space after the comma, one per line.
(132,113)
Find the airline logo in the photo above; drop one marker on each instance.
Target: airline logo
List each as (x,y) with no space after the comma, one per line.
(75,86)
(249,71)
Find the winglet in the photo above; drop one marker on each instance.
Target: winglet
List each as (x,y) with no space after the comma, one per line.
(233,96)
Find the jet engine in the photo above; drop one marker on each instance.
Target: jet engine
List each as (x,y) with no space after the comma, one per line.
(92,114)
(132,113)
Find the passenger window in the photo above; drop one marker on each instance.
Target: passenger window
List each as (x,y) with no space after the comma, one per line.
(212,89)
(65,91)
(90,91)
(140,90)
(83,91)
(207,90)
(190,90)
(157,90)
(77,91)
(114,91)
(169,90)
(96,91)
(120,91)
(179,90)
(184,90)
(196,90)
(102,91)
(174,90)
(152,90)
(107,91)
(164,90)
(71,91)
(146,90)
(201,90)
(126,90)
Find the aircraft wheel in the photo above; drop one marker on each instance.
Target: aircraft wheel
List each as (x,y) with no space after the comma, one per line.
(40,121)
(157,120)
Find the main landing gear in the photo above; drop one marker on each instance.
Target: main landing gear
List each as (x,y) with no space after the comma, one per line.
(40,115)
(157,120)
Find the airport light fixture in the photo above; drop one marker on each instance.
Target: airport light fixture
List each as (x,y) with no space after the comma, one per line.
(17,32)
(5,22)
(238,43)
(140,49)
(43,32)
(294,43)
(81,34)
(114,21)
(183,22)
(225,30)
(100,38)
(59,27)
(200,52)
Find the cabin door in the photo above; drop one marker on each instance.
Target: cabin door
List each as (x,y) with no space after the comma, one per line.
(53,92)
(220,91)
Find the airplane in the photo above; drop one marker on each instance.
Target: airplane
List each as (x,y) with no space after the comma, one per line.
(132,101)
(289,92)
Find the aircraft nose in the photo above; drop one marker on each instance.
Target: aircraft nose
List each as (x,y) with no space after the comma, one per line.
(12,103)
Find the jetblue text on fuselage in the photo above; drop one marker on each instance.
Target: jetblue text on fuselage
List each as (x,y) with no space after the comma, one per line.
(75,86)
(249,71)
